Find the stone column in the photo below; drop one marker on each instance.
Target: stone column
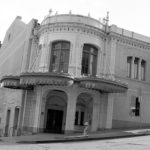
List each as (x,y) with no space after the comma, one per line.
(96,112)
(109,111)
(71,109)
(99,63)
(37,113)
(132,67)
(103,110)
(139,68)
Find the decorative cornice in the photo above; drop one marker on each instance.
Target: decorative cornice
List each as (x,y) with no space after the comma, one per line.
(125,40)
(71,28)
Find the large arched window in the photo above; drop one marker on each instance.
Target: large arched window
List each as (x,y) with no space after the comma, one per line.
(60,56)
(89,60)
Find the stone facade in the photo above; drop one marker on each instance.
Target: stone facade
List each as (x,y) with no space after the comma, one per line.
(72,69)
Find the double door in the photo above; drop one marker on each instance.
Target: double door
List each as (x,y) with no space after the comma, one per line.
(54,121)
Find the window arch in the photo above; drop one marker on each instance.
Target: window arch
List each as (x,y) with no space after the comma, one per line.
(60,56)
(89,60)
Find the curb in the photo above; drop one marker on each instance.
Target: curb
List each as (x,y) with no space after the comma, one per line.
(80,139)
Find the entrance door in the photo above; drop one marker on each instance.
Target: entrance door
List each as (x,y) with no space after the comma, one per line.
(54,121)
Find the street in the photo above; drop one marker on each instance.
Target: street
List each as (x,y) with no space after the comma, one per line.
(134,143)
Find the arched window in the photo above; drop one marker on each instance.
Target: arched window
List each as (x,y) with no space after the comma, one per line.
(89,60)
(60,56)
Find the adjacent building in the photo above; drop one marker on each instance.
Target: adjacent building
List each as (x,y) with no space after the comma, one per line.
(72,69)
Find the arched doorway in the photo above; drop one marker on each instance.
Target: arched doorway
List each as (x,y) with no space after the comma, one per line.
(84,108)
(55,111)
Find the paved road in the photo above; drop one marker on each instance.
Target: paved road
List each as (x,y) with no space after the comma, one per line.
(136,143)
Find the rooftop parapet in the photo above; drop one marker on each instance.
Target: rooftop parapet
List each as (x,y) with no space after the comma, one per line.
(71,18)
(130,34)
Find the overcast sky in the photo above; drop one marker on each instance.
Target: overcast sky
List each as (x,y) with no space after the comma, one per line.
(133,15)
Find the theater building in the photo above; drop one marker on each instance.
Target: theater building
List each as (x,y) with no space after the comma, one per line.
(72,69)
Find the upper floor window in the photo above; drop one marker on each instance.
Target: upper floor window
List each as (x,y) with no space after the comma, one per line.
(143,69)
(136,62)
(60,56)
(89,60)
(136,68)
(129,65)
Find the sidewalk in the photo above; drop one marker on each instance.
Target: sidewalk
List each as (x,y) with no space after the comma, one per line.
(58,138)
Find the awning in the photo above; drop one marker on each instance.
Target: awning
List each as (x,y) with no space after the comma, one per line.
(13,82)
(30,79)
(10,82)
(102,84)
(48,78)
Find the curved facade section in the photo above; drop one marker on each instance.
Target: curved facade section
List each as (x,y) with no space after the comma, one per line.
(79,35)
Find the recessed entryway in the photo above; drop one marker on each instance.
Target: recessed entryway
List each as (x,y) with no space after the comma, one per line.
(55,112)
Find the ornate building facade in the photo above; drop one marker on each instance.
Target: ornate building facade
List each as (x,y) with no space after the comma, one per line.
(72,69)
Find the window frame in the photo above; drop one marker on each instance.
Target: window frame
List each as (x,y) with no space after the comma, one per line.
(89,66)
(143,70)
(60,65)
(129,66)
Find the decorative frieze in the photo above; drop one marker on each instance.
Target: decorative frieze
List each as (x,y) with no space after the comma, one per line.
(71,28)
(130,41)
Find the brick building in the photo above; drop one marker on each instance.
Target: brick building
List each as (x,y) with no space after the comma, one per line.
(72,69)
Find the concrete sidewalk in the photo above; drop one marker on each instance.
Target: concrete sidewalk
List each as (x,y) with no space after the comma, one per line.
(58,138)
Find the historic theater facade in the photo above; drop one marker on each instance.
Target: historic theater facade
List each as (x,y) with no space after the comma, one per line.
(62,74)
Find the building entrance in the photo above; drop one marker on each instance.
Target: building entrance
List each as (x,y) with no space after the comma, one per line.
(54,121)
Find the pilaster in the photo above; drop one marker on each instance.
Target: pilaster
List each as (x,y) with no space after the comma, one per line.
(71,109)
(37,113)
(43,66)
(112,56)
(109,111)
(96,112)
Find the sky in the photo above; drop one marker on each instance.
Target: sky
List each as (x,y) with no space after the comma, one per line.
(133,15)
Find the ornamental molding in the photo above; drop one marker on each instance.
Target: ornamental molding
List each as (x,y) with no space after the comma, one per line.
(132,42)
(72,28)
(29,80)
(39,78)
(102,84)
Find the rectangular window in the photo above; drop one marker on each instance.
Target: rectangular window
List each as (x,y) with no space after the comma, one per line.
(16,118)
(143,69)
(60,56)
(135,106)
(89,60)
(7,122)
(129,65)
(85,63)
(136,68)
